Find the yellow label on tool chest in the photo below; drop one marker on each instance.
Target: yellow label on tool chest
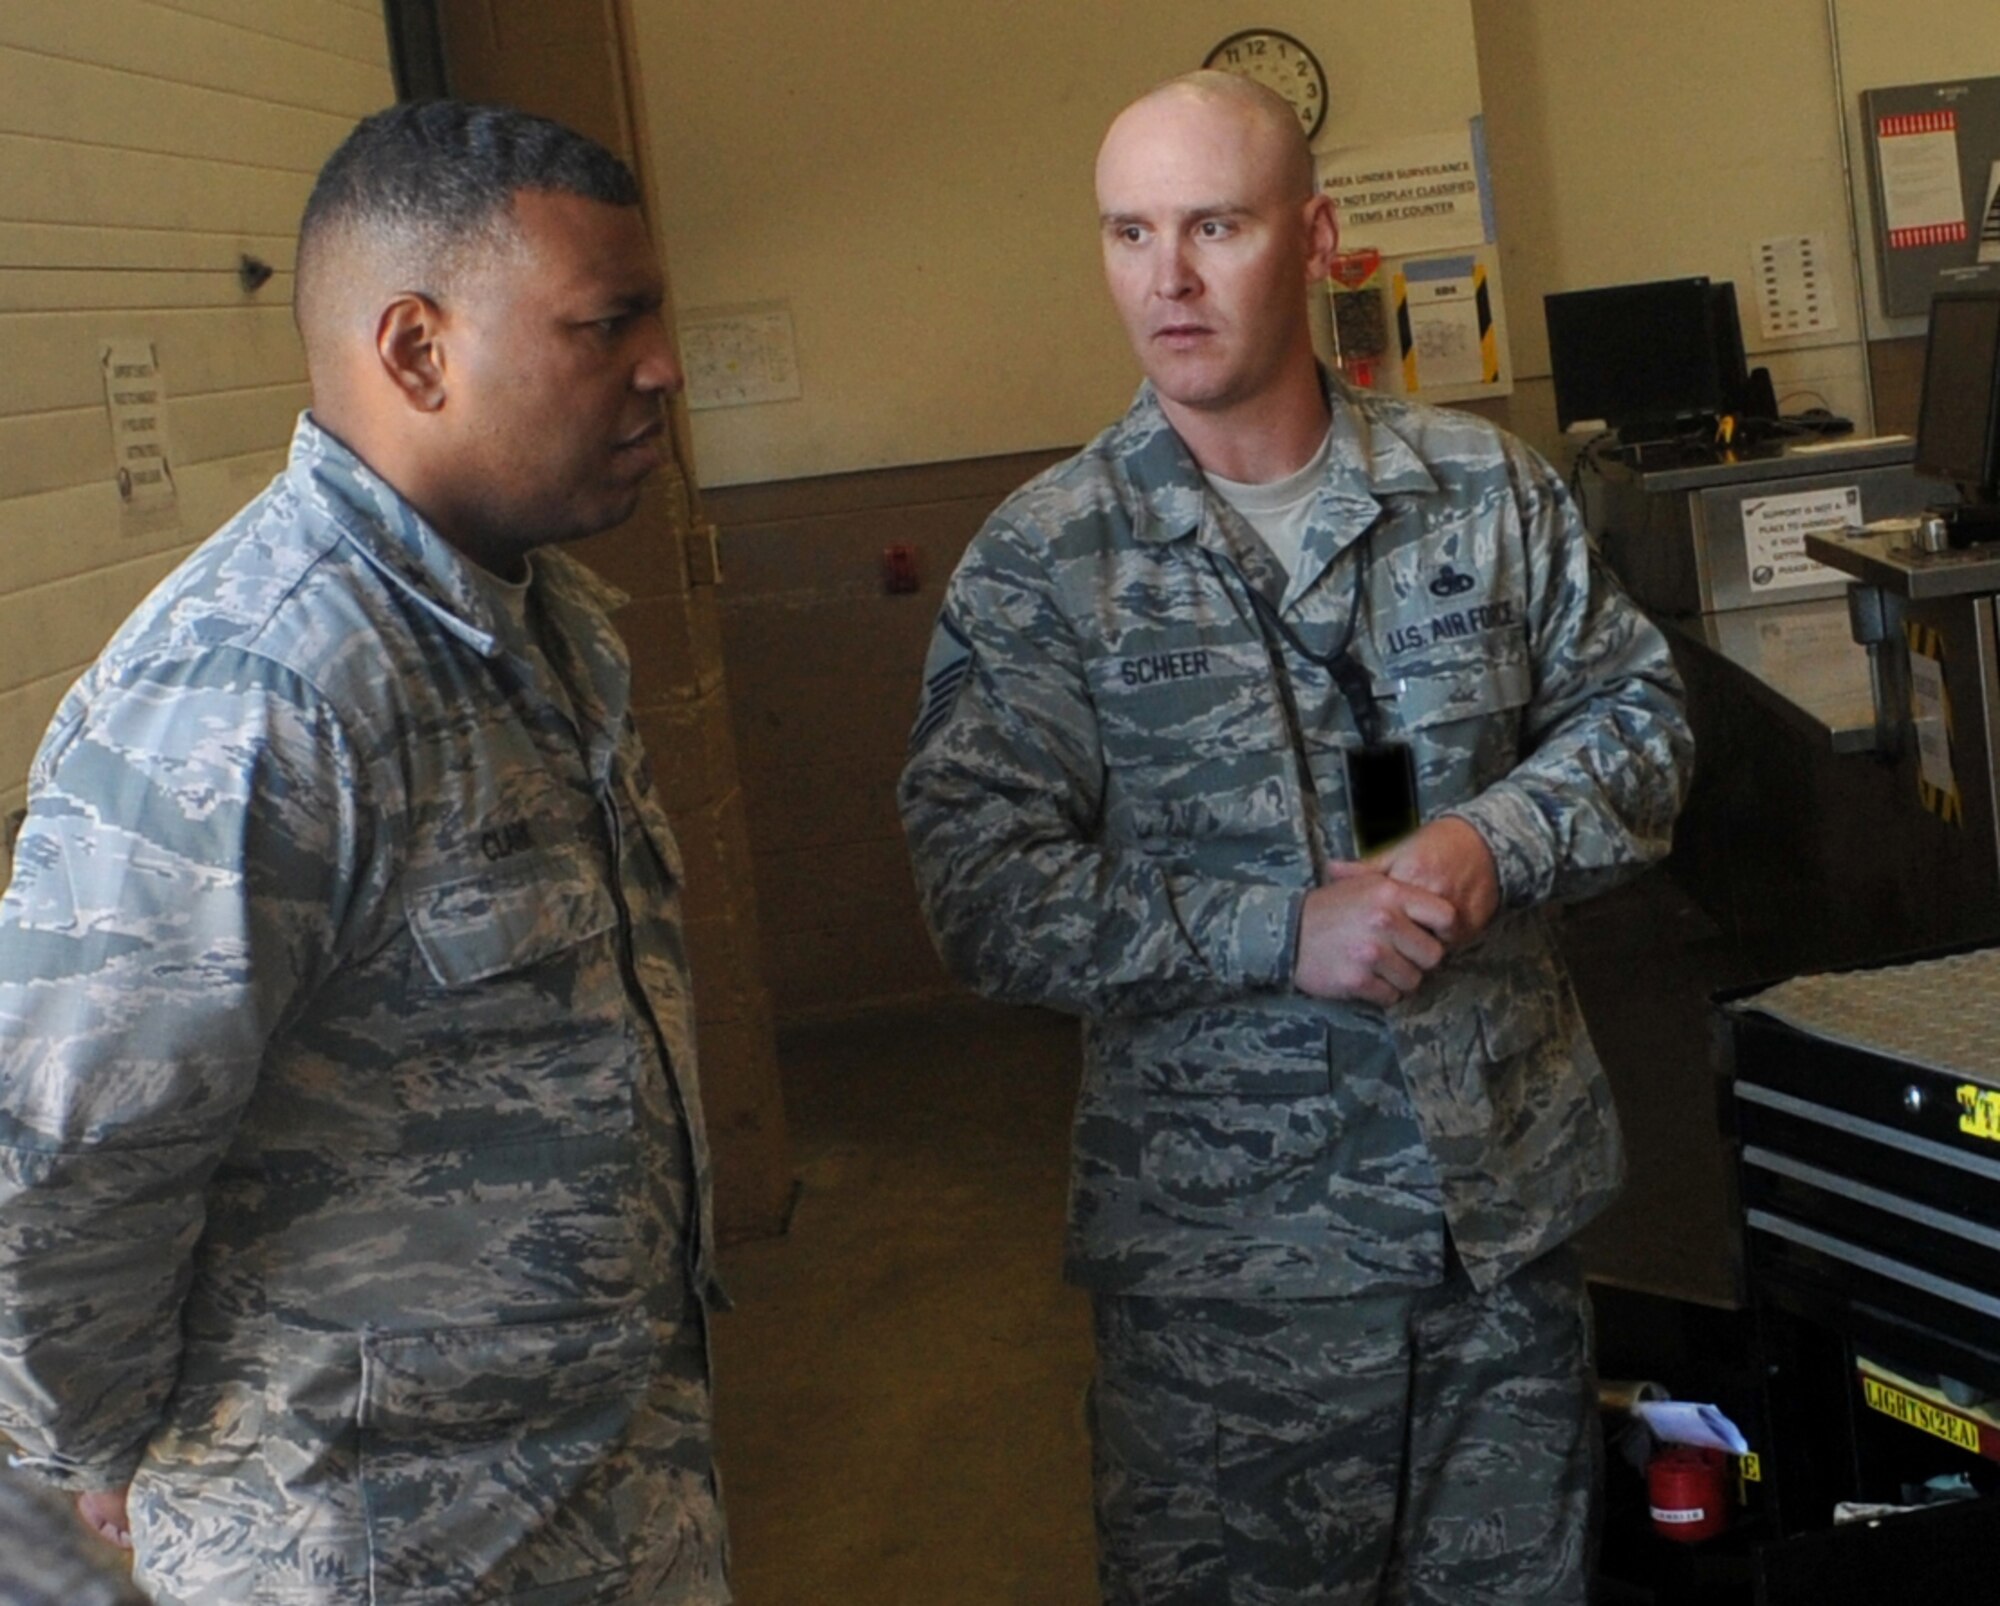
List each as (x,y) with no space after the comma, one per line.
(1979,1111)
(1921,1414)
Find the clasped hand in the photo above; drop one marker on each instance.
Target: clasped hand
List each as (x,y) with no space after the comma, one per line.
(103,1511)
(1376,927)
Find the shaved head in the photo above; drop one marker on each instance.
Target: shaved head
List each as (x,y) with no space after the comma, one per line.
(1266,118)
(1212,231)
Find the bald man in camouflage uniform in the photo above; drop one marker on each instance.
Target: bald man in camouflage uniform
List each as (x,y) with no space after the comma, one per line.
(354,1203)
(1339,1115)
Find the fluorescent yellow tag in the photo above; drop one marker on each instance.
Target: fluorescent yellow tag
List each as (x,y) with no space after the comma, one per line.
(1946,1425)
(1979,1111)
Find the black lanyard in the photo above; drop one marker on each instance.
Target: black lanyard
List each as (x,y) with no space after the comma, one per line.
(1350,679)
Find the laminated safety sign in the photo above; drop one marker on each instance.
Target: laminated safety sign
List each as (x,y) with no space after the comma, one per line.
(1930,717)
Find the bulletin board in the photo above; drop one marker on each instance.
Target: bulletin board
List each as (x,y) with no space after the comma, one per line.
(1415,293)
(1934,174)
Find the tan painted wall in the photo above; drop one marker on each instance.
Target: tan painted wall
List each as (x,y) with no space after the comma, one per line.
(913,179)
(1636,141)
(143,146)
(1884,43)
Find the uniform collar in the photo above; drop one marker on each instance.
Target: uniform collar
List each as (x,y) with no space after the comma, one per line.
(1370,459)
(397,541)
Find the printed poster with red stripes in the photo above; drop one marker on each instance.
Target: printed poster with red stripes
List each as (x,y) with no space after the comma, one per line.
(1921,191)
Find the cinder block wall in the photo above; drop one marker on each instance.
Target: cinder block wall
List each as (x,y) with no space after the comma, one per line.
(823,668)
(144,150)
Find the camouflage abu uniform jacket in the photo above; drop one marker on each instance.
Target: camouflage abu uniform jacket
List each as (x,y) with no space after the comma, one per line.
(353,1187)
(1107,812)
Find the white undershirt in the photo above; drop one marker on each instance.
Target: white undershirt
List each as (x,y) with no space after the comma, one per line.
(511,599)
(1279,510)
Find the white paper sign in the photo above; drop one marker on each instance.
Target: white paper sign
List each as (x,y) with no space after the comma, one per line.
(1403,197)
(1444,329)
(1775,530)
(1927,715)
(739,356)
(1920,192)
(135,398)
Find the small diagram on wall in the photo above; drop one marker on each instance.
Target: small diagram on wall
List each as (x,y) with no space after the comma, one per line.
(1416,292)
(1793,295)
(739,356)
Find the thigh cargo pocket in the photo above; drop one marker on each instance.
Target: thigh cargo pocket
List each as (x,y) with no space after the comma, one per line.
(476,1443)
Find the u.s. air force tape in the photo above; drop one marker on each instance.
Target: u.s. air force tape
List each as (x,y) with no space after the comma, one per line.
(945,672)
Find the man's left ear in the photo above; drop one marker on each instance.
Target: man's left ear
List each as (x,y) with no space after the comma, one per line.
(409,346)
(1322,237)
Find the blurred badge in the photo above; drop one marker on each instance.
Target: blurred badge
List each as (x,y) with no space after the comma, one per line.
(1381,794)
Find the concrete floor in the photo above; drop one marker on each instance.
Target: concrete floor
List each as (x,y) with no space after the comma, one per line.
(900,1386)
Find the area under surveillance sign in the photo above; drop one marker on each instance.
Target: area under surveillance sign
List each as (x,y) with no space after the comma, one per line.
(1403,197)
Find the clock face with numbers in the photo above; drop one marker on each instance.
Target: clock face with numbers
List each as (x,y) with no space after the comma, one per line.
(1277,61)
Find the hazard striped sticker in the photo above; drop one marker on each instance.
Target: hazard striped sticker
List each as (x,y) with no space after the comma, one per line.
(1489,340)
(1926,641)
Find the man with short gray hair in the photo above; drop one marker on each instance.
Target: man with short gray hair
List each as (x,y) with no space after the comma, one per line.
(355,1234)
(1260,734)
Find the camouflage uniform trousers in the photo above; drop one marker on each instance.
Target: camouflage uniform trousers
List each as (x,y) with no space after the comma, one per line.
(1435,1446)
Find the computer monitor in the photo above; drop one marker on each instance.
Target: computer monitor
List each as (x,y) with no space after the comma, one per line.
(1958,420)
(1641,357)
(1732,362)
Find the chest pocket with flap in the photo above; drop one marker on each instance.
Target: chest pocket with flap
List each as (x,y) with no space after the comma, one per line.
(510,916)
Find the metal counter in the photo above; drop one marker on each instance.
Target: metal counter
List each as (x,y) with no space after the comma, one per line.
(1814,834)
(1695,535)
(1890,559)
(1800,660)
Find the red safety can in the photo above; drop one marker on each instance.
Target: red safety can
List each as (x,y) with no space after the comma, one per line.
(1688,1490)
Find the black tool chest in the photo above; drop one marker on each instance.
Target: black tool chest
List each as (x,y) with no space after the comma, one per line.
(1865,1107)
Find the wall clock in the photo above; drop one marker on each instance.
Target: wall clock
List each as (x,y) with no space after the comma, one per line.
(1277,61)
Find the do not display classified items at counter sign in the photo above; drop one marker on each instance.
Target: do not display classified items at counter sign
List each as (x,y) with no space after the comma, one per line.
(1421,206)
(1412,196)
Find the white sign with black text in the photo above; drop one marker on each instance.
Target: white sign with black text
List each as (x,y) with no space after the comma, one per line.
(1775,530)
